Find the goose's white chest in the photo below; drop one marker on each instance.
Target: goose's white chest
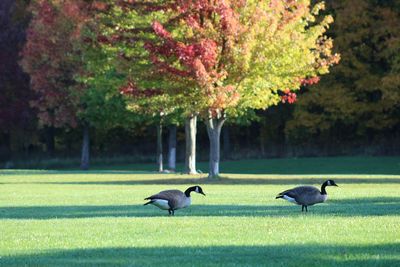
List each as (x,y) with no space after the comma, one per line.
(324,198)
(184,203)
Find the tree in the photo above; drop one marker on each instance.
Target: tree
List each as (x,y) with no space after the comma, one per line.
(360,99)
(155,108)
(52,61)
(122,34)
(15,113)
(219,58)
(101,107)
(239,55)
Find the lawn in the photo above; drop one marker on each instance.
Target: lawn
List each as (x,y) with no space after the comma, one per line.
(74,218)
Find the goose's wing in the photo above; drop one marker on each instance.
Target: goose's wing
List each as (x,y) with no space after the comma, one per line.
(307,194)
(301,193)
(172,196)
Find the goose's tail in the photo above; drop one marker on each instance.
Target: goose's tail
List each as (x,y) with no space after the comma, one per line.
(147,203)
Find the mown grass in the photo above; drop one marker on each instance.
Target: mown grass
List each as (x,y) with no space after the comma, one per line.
(73,218)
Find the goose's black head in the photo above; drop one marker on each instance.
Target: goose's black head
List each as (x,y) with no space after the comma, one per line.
(325,184)
(331,183)
(196,189)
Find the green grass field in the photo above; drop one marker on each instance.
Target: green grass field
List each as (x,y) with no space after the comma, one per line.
(73,218)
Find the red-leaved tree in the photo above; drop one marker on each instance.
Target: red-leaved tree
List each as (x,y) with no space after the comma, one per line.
(226,56)
(51,58)
(242,54)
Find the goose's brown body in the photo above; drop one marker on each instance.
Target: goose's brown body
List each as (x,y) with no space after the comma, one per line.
(306,195)
(175,199)
(172,200)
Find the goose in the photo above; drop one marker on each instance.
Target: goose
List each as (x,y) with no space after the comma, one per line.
(172,200)
(306,195)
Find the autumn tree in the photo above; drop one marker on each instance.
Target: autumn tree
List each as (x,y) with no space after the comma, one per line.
(52,61)
(220,58)
(360,99)
(239,55)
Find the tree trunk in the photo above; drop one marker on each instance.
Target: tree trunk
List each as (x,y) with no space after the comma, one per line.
(159,148)
(263,134)
(190,136)
(172,148)
(85,148)
(226,143)
(50,143)
(214,127)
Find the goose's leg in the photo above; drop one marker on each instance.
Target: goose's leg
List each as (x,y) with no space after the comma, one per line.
(169,211)
(173,212)
(306,209)
(302,208)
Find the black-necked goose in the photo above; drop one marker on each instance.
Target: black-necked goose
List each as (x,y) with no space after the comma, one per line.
(172,200)
(306,195)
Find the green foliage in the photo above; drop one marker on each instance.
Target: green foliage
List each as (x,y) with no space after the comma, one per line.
(362,93)
(104,106)
(285,48)
(129,64)
(264,50)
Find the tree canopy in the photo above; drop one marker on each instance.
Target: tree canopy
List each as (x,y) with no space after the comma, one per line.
(219,57)
(361,95)
(14,83)
(49,56)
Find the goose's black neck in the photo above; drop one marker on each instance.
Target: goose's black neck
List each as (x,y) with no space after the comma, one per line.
(189,190)
(323,190)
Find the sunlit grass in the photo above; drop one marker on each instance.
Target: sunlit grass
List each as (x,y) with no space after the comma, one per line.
(97,218)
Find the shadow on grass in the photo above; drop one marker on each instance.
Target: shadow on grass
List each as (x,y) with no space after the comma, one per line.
(283,166)
(272,255)
(71,172)
(308,165)
(228,181)
(340,208)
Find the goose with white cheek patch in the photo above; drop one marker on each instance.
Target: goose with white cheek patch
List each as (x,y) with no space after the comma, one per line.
(172,200)
(307,195)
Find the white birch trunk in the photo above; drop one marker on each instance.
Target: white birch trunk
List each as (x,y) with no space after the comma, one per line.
(172,148)
(190,136)
(159,148)
(214,127)
(85,148)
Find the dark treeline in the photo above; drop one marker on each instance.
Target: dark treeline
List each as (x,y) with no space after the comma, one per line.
(353,110)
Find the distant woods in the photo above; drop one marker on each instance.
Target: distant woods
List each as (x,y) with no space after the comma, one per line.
(355,109)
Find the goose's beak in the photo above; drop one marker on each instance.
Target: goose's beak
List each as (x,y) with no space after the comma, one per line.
(202,193)
(336,185)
